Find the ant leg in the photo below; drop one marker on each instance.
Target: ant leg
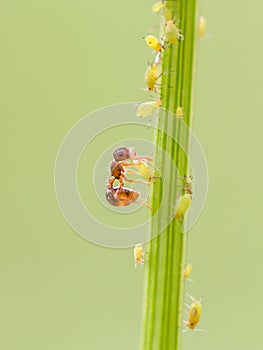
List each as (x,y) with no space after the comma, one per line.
(111,183)
(146,204)
(138,182)
(132,172)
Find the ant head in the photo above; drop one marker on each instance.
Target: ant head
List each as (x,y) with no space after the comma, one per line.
(123,153)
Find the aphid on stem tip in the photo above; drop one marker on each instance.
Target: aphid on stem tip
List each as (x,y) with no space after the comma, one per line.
(172,33)
(147,109)
(202,27)
(154,43)
(158,6)
(195,311)
(122,197)
(187,271)
(138,254)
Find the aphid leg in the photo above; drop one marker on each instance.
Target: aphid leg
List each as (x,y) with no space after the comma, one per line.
(169,86)
(169,71)
(180,34)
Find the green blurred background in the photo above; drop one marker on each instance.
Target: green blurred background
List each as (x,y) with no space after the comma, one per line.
(61,60)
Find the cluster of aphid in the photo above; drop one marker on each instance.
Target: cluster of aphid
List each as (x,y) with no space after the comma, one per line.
(172,35)
(126,162)
(195,309)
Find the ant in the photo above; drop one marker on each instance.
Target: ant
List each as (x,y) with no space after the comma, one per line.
(121,157)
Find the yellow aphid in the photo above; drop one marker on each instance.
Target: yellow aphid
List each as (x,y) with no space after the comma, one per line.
(194,314)
(138,254)
(172,33)
(154,43)
(187,271)
(148,108)
(202,27)
(151,76)
(158,6)
(179,112)
(145,171)
(184,205)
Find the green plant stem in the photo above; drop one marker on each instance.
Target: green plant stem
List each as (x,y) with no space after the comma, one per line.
(164,286)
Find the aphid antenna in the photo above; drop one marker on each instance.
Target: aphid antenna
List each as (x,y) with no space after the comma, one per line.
(188,306)
(191,297)
(151,30)
(189,279)
(200,330)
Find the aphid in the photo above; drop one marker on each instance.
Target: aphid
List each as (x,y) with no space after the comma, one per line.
(172,33)
(138,254)
(145,171)
(184,204)
(179,112)
(188,185)
(158,6)
(151,76)
(195,311)
(202,27)
(154,43)
(122,197)
(187,271)
(148,108)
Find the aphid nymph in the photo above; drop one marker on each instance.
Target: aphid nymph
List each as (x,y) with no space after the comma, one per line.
(138,254)
(154,43)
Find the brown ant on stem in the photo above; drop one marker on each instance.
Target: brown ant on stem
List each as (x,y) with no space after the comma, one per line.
(122,156)
(122,196)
